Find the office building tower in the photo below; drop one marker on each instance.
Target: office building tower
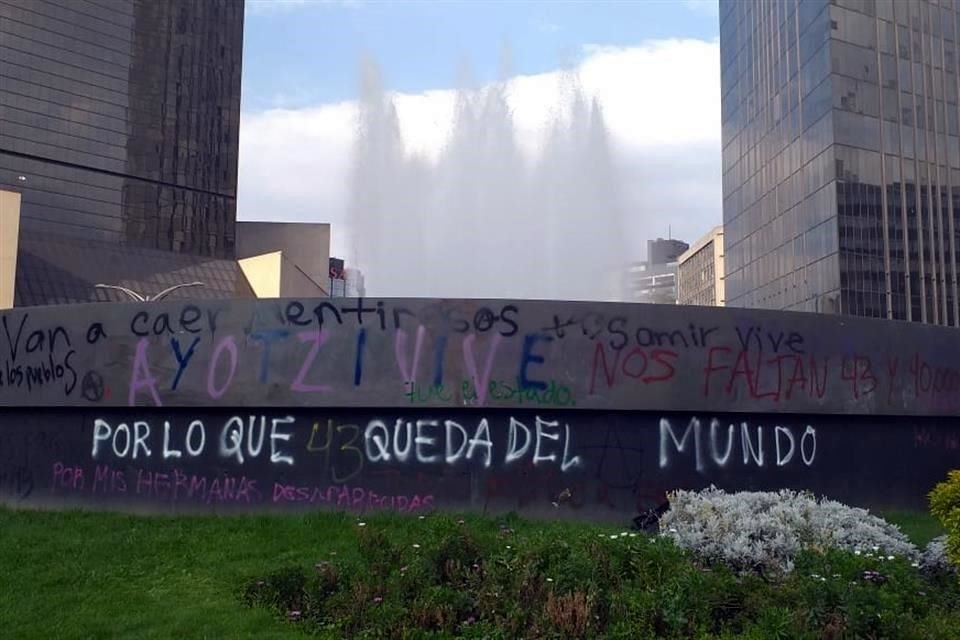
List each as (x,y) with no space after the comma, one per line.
(119,129)
(655,280)
(345,282)
(700,272)
(665,251)
(338,279)
(841,163)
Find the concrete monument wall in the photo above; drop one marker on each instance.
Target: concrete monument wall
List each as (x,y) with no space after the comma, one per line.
(591,410)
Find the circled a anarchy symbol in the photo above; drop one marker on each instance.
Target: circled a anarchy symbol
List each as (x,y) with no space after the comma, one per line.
(91,387)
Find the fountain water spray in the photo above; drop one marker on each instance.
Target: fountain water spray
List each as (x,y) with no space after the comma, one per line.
(484,220)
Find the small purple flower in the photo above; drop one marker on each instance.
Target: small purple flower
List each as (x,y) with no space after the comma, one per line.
(293,615)
(874,576)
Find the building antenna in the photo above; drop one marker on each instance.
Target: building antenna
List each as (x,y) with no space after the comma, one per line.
(669,233)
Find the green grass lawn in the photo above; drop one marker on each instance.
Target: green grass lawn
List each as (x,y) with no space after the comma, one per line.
(96,575)
(920,527)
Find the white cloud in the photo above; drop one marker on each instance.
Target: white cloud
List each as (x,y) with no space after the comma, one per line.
(293,163)
(547,27)
(661,103)
(260,7)
(663,93)
(709,8)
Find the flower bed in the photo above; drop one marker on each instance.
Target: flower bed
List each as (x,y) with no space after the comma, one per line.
(789,576)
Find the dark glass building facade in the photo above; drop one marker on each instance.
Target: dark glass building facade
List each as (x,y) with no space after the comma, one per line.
(662,251)
(841,160)
(119,126)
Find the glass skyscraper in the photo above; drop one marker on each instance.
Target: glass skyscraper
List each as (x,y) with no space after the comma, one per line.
(119,126)
(841,161)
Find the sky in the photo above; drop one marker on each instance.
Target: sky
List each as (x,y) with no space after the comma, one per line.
(652,65)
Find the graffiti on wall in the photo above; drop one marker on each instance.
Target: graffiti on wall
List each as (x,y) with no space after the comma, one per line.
(523,355)
(590,464)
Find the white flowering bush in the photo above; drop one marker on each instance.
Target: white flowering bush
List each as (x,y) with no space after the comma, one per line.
(935,558)
(763,531)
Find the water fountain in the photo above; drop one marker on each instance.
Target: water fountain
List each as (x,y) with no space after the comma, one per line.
(484,219)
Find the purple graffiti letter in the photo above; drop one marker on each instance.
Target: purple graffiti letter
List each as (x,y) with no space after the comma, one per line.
(141,377)
(318,338)
(480,383)
(230,345)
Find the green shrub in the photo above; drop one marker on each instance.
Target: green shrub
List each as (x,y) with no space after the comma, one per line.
(465,581)
(945,505)
(282,590)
